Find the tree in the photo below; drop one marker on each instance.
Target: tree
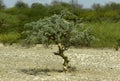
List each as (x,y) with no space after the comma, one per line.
(8,22)
(54,30)
(2,6)
(55,9)
(38,11)
(21,4)
(55,2)
(37,5)
(96,7)
(112,6)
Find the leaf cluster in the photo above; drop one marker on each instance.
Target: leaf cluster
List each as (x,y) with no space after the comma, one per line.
(54,29)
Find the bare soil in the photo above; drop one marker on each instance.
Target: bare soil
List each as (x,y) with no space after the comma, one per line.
(39,64)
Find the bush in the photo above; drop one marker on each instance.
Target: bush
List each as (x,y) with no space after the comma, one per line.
(8,22)
(9,38)
(106,31)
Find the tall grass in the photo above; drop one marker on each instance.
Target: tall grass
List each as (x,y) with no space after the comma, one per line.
(9,38)
(106,31)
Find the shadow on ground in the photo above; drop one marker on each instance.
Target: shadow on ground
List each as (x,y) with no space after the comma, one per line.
(36,71)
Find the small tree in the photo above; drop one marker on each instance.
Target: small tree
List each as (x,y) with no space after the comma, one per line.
(54,30)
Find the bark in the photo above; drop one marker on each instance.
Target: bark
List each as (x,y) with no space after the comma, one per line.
(60,53)
(117,48)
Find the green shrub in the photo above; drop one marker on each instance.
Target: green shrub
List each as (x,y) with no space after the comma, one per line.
(9,38)
(106,31)
(84,39)
(8,22)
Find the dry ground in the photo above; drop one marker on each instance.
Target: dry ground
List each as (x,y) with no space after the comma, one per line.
(39,64)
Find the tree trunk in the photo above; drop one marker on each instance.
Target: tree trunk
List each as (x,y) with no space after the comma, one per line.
(60,53)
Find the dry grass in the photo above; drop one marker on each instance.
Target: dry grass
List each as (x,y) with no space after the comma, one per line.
(39,64)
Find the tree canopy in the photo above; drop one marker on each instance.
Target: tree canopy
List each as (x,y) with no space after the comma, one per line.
(21,4)
(54,29)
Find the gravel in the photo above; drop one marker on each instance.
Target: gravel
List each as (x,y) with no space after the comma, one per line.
(39,64)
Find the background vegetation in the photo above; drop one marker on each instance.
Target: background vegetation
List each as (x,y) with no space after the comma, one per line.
(104,21)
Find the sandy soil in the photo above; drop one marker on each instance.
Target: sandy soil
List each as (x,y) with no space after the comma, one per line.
(39,64)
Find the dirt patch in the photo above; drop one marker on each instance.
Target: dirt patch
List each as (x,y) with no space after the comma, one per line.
(39,64)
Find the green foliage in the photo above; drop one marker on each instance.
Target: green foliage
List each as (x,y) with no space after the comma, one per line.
(112,15)
(112,6)
(96,7)
(69,16)
(38,11)
(37,5)
(59,31)
(8,18)
(56,29)
(85,39)
(21,4)
(50,30)
(106,31)
(16,11)
(99,12)
(101,18)
(55,9)
(8,22)
(118,42)
(9,38)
